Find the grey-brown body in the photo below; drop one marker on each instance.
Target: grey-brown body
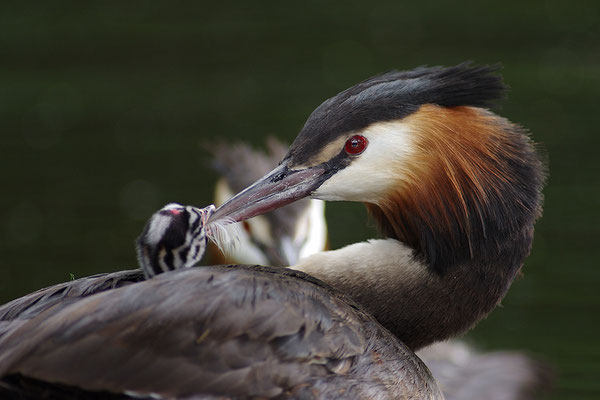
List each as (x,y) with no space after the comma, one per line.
(236,332)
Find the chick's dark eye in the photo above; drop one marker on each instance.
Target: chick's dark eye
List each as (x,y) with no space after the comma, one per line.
(356,145)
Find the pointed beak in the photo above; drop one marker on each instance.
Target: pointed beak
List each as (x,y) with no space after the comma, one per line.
(278,188)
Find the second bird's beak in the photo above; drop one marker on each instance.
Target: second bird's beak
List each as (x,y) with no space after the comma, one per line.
(278,188)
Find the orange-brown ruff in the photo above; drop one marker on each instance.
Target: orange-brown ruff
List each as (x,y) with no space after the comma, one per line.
(466,160)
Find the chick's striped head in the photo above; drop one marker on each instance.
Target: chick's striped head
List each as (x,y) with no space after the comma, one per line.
(175,237)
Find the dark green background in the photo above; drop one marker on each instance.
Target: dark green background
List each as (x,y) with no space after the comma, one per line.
(105,110)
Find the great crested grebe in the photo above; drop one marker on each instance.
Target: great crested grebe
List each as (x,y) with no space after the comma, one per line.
(455,188)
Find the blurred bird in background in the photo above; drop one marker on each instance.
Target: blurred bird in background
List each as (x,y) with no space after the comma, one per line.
(280,237)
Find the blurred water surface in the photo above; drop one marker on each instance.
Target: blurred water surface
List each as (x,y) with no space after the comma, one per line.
(105,109)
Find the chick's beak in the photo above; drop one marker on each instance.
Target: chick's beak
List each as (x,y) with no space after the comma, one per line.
(278,188)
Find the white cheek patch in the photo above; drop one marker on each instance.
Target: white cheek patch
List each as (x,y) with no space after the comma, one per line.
(376,170)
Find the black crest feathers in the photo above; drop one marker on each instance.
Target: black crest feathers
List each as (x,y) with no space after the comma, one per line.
(394,95)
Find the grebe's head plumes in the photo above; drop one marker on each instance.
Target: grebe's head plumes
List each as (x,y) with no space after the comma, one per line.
(437,170)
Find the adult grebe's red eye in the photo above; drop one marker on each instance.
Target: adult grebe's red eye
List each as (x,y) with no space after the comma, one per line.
(356,145)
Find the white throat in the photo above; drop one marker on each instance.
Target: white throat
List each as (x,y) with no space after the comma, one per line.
(376,263)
